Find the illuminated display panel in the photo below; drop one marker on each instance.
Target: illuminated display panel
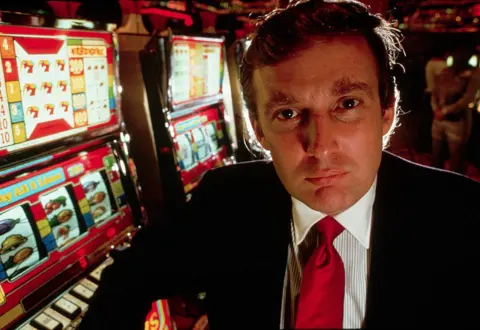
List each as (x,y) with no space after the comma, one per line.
(203,150)
(98,196)
(19,248)
(185,154)
(54,84)
(198,145)
(197,68)
(60,207)
(212,136)
(51,218)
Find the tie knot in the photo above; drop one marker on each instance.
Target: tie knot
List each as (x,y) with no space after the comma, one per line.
(329,228)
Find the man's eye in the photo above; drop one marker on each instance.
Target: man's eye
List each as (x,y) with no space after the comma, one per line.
(349,103)
(287,114)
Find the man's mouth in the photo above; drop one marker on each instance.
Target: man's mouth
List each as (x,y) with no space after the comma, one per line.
(326,178)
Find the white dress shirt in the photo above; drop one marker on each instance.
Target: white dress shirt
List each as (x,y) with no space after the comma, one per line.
(352,245)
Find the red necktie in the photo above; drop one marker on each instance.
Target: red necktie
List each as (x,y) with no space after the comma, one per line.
(322,291)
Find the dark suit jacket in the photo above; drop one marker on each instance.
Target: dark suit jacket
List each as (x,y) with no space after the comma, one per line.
(233,243)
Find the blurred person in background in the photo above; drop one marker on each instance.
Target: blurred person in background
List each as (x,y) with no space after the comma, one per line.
(435,63)
(454,94)
(434,67)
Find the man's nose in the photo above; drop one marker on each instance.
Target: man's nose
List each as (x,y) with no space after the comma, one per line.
(320,137)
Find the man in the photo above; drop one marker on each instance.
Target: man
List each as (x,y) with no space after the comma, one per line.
(332,232)
(434,67)
(436,62)
(453,98)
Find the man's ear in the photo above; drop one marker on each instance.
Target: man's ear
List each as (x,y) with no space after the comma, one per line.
(259,133)
(388,117)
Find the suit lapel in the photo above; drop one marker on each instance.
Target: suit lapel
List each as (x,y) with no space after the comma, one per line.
(389,280)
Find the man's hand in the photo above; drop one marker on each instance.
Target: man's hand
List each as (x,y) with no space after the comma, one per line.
(438,114)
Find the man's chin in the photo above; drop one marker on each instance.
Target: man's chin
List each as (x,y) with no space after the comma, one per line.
(328,200)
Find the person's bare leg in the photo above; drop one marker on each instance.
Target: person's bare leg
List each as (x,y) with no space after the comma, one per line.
(457,156)
(437,157)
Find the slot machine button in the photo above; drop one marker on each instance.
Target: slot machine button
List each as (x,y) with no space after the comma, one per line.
(89,284)
(57,316)
(108,262)
(97,272)
(45,322)
(83,306)
(67,308)
(82,293)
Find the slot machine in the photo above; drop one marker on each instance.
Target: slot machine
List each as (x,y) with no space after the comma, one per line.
(68,191)
(191,111)
(190,114)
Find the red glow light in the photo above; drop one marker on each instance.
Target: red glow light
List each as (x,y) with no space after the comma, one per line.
(83,262)
(111,232)
(476,10)
(165,150)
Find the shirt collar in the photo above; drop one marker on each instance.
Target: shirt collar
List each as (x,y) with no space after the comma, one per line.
(357,219)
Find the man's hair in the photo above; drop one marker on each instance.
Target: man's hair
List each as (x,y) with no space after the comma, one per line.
(284,31)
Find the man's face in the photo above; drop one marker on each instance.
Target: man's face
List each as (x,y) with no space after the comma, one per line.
(319,115)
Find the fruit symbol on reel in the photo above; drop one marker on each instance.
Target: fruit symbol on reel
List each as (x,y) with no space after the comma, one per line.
(55,204)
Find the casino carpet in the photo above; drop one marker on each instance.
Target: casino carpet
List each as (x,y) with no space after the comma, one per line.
(425,159)
(402,143)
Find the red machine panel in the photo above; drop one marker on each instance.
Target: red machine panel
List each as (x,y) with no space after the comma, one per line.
(51,221)
(197,68)
(197,145)
(54,84)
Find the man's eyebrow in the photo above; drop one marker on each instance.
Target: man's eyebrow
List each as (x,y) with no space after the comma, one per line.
(278,98)
(347,85)
(340,87)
